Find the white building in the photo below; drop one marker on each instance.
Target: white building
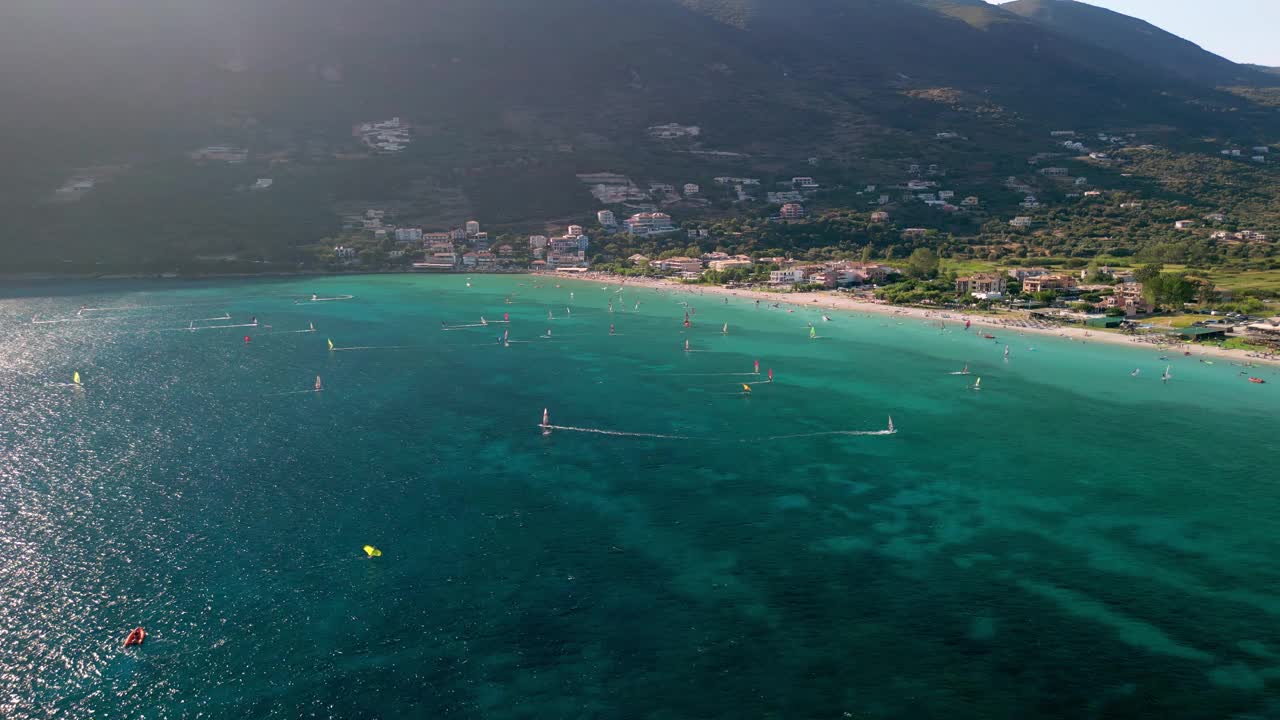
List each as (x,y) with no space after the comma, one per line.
(472,227)
(650,223)
(408,234)
(574,230)
(804,183)
(786,277)
(1020,222)
(537,242)
(606,218)
(261,184)
(691,189)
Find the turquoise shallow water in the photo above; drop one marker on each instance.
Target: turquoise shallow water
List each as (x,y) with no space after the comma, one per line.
(1070,542)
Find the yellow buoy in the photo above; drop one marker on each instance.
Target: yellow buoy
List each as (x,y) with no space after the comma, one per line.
(372,551)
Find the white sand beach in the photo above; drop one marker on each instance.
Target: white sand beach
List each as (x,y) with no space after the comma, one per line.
(840,302)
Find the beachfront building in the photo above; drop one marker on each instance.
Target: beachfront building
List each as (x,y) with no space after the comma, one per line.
(790,276)
(730,264)
(650,223)
(1040,283)
(1129,297)
(981,284)
(678,265)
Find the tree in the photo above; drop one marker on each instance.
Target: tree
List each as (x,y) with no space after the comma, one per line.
(922,264)
(1148,272)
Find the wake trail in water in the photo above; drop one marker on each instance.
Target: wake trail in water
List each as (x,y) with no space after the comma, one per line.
(335,298)
(378,347)
(615,433)
(833,433)
(659,436)
(61,320)
(285,332)
(731,374)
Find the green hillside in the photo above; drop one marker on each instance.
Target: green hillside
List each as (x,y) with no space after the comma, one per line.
(509,100)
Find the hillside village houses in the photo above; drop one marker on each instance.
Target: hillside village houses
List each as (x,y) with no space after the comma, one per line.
(607,219)
(1021,222)
(1242,236)
(792,211)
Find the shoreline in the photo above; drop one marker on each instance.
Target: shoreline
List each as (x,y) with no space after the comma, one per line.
(827,300)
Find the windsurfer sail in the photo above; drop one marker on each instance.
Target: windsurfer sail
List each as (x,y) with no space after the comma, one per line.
(770,374)
(686,345)
(1167,375)
(319,384)
(546,422)
(331,343)
(746,389)
(1006,352)
(977,385)
(75,379)
(892,429)
(813,333)
(611,332)
(311,327)
(1136,372)
(725,330)
(757,367)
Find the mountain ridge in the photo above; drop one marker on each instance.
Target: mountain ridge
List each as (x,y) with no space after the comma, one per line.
(1136,39)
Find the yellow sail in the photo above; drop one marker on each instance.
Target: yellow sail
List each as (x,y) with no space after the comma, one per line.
(372,551)
(330,343)
(76,378)
(746,388)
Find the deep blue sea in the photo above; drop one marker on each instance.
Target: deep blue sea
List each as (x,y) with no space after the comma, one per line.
(1068,542)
